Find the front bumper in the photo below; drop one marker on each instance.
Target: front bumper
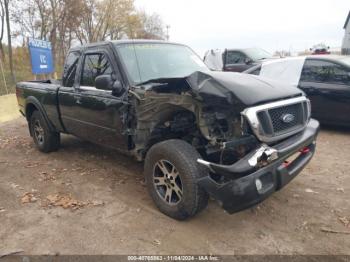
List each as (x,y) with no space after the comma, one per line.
(253,186)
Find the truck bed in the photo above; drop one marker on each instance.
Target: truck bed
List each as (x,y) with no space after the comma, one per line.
(44,94)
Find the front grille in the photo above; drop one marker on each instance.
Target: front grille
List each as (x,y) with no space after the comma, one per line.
(273,120)
(277,115)
(277,120)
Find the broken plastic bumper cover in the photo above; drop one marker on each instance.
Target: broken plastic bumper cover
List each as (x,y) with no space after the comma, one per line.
(254,184)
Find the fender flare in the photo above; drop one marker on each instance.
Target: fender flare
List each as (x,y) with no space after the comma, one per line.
(31,100)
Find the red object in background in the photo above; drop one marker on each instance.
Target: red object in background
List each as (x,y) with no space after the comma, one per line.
(321,52)
(320,49)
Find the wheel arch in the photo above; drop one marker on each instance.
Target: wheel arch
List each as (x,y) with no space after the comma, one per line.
(147,133)
(33,104)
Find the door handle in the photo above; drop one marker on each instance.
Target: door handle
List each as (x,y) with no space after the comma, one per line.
(77,99)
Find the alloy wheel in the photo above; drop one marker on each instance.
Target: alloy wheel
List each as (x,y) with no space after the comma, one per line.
(38,132)
(167,182)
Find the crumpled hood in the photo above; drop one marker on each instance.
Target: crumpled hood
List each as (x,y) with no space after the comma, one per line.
(248,89)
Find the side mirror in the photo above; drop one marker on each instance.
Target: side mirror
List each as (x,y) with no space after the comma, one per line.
(247,60)
(117,87)
(108,82)
(104,82)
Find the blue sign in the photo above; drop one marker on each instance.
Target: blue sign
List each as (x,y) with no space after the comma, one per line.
(41,56)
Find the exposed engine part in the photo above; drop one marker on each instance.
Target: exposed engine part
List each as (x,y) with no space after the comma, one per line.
(222,125)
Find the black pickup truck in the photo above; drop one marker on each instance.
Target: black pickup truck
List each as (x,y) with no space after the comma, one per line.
(235,137)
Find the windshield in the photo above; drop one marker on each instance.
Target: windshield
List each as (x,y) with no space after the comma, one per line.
(147,61)
(257,53)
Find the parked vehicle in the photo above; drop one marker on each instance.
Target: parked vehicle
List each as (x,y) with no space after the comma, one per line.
(198,132)
(320,49)
(324,79)
(235,60)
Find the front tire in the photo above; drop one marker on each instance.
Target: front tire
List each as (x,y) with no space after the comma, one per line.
(171,173)
(45,139)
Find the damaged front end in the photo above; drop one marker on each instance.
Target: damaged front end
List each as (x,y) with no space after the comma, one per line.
(261,172)
(257,158)
(244,139)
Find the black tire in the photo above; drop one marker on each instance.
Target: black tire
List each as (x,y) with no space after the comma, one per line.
(170,154)
(45,140)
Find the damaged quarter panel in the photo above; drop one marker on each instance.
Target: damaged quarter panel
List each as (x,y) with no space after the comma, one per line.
(161,115)
(211,102)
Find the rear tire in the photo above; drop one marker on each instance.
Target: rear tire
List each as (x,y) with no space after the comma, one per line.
(45,139)
(171,173)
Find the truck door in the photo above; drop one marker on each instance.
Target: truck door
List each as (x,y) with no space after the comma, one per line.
(94,114)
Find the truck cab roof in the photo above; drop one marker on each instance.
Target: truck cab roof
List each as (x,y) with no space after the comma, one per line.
(126,41)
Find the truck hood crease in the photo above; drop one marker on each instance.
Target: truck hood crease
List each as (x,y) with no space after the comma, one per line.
(235,87)
(232,88)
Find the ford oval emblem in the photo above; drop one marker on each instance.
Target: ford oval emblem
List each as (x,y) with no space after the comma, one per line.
(287,118)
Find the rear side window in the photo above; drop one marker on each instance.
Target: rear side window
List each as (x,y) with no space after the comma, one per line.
(325,72)
(94,66)
(234,58)
(70,68)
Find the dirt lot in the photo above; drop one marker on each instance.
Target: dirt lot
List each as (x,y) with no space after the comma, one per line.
(8,108)
(85,199)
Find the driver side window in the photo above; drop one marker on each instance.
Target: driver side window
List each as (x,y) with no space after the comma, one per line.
(70,68)
(94,65)
(234,58)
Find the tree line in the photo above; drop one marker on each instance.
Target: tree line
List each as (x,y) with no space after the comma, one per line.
(70,22)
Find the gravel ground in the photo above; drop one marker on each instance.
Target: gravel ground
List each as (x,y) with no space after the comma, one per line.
(84,199)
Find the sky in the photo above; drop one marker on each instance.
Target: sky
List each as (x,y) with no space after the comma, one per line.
(270,24)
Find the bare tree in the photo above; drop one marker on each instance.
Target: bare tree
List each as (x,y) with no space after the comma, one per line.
(9,41)
(2,28)
(71,15)
(64,21)
(109,19)
(95,23)
(117,25)
(53,20)
(153,26)
(143,25)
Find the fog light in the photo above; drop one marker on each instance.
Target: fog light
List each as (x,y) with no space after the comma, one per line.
(258,184)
